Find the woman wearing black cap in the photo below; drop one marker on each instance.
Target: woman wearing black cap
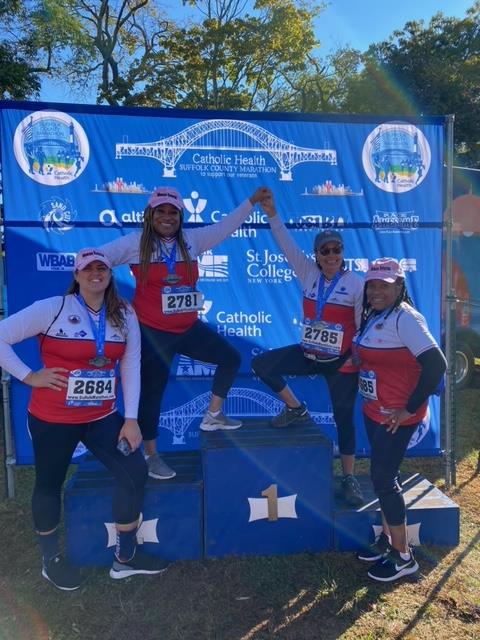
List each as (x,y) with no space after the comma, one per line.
(163,258)
(332,303)
(83,336)
(401,365)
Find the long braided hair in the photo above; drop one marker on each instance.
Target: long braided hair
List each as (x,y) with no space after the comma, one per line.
(115,306)
(150,242)
(367,311)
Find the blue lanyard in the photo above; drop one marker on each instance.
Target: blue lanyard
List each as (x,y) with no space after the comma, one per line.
(375,319)
(323,295)
(98,331)
(170,258)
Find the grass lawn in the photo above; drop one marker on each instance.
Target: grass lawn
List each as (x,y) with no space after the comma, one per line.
(303,597)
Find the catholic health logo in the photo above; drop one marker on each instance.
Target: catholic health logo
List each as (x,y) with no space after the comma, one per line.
(51,148)
(396,157)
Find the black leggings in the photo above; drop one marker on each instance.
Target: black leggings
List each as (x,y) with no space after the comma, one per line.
(53,446)
(271,366)
(388,451)
(159,348)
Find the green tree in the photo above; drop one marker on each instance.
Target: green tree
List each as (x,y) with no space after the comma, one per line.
(322,87)
(225,57)
(430,70)
(19,69)
(107,44)
(233,59)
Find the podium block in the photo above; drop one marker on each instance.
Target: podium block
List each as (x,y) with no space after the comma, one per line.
(267,491)
(172,515)
(432,518)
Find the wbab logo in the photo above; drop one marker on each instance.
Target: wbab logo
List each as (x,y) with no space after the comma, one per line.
(48,261)
(51,148)
(396,157)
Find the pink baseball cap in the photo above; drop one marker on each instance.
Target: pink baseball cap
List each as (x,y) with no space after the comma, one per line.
(166,195)
(88,255)
(386,269)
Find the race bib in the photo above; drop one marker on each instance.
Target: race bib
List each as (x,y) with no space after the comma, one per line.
(181,300)
(322,337)
(90,388)
(367,385)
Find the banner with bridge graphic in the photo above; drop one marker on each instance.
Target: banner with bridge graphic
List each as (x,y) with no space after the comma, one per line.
(77,175)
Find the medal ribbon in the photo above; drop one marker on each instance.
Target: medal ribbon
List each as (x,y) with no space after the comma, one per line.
(374,319)
(98,331)
(322,295)
(170,258)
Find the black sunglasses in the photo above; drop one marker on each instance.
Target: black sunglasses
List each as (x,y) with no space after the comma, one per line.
(334,250)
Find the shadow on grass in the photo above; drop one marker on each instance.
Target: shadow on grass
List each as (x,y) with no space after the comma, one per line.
(438,587)
(300,597)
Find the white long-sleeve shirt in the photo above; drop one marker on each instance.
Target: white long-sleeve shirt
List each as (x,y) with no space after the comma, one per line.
(67,341)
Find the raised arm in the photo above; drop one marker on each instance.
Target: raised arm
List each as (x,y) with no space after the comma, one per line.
(208,237)
(295,256)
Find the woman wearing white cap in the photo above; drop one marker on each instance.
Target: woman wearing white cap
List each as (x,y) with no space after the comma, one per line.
(401,365)
(332,304)
(164,261)
(82,337)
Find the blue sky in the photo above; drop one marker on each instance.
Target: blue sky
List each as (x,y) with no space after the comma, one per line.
(357,23)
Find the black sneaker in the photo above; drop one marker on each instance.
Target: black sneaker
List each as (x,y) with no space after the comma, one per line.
(351,491)
(141,563)
(291,416)
(393,567)
(61,574)
(375,551)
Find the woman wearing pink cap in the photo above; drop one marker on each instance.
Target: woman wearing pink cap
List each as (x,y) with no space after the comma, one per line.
(164,260)
(401,365)
(82,337)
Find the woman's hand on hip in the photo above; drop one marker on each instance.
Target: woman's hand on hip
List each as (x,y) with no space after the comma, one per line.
(396,418)
(53,378)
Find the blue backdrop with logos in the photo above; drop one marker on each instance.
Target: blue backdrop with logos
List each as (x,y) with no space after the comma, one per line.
(76,175)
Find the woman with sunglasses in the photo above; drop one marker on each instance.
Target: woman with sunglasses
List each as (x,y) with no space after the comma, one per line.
(401,365)
(83,336)
(332,304)
(164,261)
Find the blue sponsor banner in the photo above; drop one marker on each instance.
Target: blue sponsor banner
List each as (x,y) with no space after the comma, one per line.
(79,175)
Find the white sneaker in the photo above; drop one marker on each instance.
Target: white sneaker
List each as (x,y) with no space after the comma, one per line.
(221,421)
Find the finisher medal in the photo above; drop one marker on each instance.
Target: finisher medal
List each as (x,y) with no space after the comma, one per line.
(172,278)
(99,361)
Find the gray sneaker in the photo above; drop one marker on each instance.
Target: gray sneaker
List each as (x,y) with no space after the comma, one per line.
(290,416)
(158,469)
(351,491)
(213,423)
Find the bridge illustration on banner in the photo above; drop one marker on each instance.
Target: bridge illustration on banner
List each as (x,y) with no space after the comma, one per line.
(221,136)
(241,402)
